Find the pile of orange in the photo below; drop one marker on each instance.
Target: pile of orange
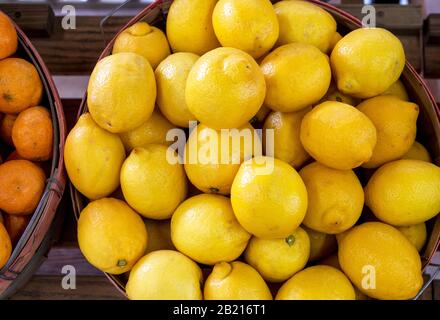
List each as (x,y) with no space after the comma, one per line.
(26,140)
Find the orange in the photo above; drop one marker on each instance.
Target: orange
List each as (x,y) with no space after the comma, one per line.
(8,37)
(21,186)
(32,134)
(5,246)
(15,225)
(6,128)
(20,85)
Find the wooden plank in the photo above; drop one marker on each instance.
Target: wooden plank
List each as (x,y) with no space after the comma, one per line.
(35,19)
(87,288)
(77,51)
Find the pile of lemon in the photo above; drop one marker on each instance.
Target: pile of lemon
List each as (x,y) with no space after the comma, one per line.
(333,104)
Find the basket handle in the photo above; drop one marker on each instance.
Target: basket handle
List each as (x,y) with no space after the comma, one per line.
(432,277)
(108,16)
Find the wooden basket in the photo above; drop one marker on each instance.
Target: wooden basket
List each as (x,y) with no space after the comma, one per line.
(35,242)
(428,121)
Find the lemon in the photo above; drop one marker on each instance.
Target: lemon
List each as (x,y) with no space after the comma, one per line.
(338,135)
(335,39)
(121,92)
(416,234)
(333,94)
(159,235)
(321,244)
(205,229)
(397,89)
(367,61)
(404,192)
(381,262)
(417,152)
(111,236)
(269,198)
(165,275)
(93,158)
(154,130)
(189,26)
(212,171)
(248,25)
(286,143)
(145,40)
(396,124)
(171,75)
(304,22)
(225,88)
(278,259)
(151,184)
(336,198)
(235,281)
(317,283)
(297,75)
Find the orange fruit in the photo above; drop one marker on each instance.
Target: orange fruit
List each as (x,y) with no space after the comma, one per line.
(6,128)
(8,38)
(15,225)
(21,186)
(32,134)
(5,246)
(20,85)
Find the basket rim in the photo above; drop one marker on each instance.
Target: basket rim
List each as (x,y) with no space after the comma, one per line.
(44,213)
(76,196)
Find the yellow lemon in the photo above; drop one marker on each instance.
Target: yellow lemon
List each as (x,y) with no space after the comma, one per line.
(404,192)
(111,235)
(189,26)
(336,198)
(269,198)
(321,244)
(205,229)
(159,235)
(235,281)
(396,125)
(121,92)
(145,40)
(154,130)
(390,261)
(297,75)
(335,39)
(338,135)
(152,184)
(304,22)
(225,88)
(165,275)
(317,283)
(416,234)
(171,75)
(93,158)
(213,158)
(333,94)
(397,89)
(278,259)
(367,61)
(286,143)
(248,25)
(417,152)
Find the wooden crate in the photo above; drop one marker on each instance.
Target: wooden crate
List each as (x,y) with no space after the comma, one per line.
(432,46)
